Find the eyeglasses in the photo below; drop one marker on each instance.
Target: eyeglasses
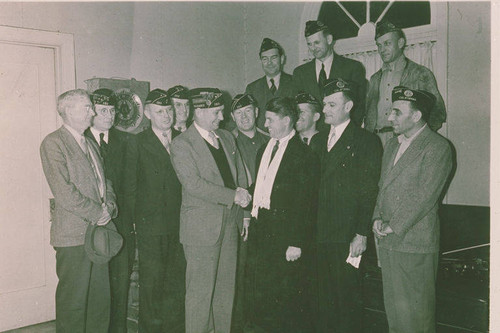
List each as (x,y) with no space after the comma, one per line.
(89,107)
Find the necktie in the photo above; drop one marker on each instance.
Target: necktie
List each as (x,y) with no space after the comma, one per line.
(212,137)
(322,76)
(305,140)
(85,148)
(166,141)
(103,145)
(273,87)
(331,139)
(275,149)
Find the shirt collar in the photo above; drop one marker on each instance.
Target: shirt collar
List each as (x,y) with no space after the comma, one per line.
(339,129)
(76,135)
(284,139)
(328,64)
(402,138)
(204,133)
(397,65)
(276,80)
(97,134)
(159,133)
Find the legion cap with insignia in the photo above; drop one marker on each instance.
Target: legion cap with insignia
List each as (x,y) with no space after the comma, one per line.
(384,27)
(242,100)
(313,27)
(103,96)
(423,100)
(268,44)
(178,92)
(158,97)
(333,86)
(206,98)
(303,97)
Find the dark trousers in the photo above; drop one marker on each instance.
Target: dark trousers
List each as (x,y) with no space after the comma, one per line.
(161,280)
(120,268)
(82,294)
(409,281)
(279,290)
(339,286)
(239,318)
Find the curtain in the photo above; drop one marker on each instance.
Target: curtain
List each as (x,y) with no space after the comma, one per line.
(423,53)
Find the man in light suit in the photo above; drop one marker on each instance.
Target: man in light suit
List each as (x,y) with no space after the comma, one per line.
(113,145)
(311,76)
(350,170)
(275,83)
(74,170)
(415,168)
(156,209)
(213,179)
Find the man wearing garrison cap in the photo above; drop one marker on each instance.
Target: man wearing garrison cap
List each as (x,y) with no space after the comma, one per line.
(157,194)
(249,138)
(311,76)
(310,112)
(415,167)
(180,102)
(114,145)
(274,83)
(350,169)
(397,70)
(213,178)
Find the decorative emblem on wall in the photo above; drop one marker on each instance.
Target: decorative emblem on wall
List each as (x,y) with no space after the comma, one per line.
(129,110)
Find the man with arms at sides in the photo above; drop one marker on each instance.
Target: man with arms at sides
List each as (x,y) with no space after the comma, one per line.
(311,76)
(350,170)
(180,101)
(157,194)
(310,113)
(280,250)
(397,70)
(249,138)
(213,179)
(415,167)
(74,170)
(275,82)
(113,145)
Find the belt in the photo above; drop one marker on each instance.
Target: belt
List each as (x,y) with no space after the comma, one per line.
(383,129)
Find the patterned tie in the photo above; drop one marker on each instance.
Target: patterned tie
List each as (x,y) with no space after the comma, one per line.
(275,149)
(273,87)
(331,139)
(103,145)
(166,141)
(322,77)
(85,148)
(214,140)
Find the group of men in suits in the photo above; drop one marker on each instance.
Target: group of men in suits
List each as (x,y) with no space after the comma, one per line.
(270,220)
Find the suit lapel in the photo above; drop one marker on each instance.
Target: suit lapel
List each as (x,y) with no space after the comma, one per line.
(311,73)
(342,147)
(153,144)
(414,150)
(230,153)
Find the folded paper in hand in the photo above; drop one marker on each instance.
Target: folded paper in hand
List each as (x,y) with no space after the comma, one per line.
(353,261)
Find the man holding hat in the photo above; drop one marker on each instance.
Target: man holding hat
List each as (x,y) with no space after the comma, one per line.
(275,82)
(83,198)
(180,101)
(311,76)
(157,207)
(415,167)
(113,145)
(213,178)
(310,112)
(249,138)
(350,169)
(397,70)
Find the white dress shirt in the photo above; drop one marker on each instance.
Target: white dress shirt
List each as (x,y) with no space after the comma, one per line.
(338,130)
(276,81)
(162,138)
(97,134)
(328,66)
(405,142)
(206,134)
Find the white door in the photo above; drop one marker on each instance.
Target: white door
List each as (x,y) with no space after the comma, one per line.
(27,114)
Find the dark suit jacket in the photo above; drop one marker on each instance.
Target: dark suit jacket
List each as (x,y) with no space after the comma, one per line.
(410,191)
(157,190)
(260,90)
(304,79)
(348,187)
(115,164)
(294,191)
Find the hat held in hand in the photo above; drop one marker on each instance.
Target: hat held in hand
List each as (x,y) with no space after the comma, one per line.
(102,242)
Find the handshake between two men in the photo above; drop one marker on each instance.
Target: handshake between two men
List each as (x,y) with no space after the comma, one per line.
(242,197)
